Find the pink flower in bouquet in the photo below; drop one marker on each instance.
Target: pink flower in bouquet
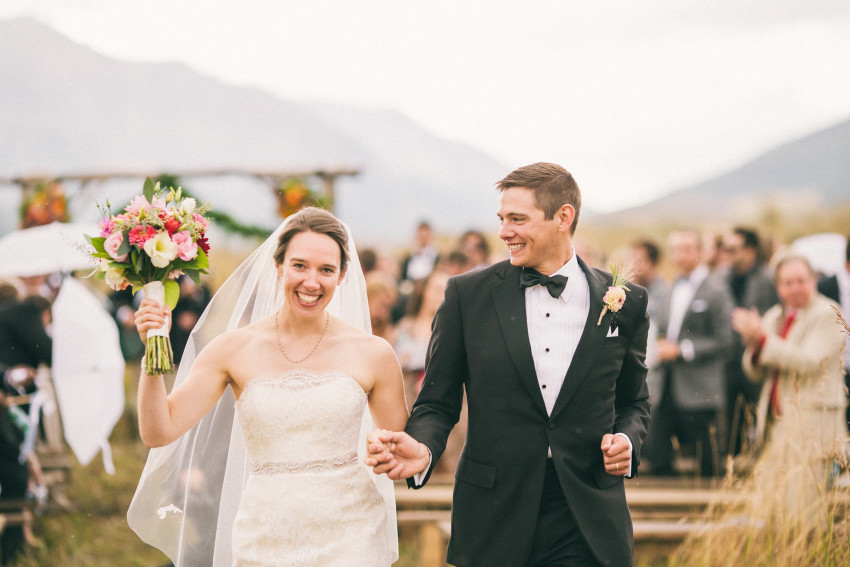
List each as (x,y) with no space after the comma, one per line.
(200,220)
(141,234)
(107,225)
(112,244)
(186,247)
(137,205)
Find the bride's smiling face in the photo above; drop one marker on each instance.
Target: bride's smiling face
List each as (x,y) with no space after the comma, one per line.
(310,272)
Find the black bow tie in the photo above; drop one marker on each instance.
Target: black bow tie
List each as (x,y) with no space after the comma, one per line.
(554,284)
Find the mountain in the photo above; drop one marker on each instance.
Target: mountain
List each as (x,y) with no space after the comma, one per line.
(801,175)
(67,109)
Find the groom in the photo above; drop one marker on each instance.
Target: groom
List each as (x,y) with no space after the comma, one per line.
(556,391)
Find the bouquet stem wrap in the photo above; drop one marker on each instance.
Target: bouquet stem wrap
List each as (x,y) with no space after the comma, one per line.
(159,358)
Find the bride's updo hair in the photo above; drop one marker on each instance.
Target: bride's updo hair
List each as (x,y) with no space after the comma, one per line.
(320,221)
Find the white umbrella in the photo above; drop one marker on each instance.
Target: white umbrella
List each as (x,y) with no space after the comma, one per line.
(88,371)
(825,251)
(55,247)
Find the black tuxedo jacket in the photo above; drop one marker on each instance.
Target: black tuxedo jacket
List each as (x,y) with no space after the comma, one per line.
(829,287)
(480,342)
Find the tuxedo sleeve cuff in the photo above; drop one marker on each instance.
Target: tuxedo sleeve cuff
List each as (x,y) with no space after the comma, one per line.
(631,449)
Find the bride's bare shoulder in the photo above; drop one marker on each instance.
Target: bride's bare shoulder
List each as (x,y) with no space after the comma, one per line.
(362,342)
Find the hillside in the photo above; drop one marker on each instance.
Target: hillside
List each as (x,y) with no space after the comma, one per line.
(68,109)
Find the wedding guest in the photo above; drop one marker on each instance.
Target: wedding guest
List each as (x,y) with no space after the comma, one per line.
(24,342)
(122,306)
(714,255)
(456,263)
(837,288)
(368,260)
(424,255)
(645,258)
(8,293)
(695,333)
(474,244)
(14,478)
(191,304)
(414,330)
(751,285)
(382,293)
(795,350)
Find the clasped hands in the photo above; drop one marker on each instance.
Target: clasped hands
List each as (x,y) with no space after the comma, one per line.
(401,456)
(395,453)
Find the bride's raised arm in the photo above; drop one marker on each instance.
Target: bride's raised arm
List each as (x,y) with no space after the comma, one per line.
(163,418)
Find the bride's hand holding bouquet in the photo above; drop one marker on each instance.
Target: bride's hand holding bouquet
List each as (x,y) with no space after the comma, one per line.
(158,237)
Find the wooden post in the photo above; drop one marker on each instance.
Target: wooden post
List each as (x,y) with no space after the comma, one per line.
(432,545)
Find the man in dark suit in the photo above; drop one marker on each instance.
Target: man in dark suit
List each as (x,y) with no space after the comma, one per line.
(696,333)
(556,390)
(751,285)
(837,288)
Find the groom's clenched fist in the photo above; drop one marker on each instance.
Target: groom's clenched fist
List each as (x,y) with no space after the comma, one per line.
(616,454)
(396,453)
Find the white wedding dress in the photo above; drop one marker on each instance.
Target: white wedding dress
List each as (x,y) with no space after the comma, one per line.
(308,500)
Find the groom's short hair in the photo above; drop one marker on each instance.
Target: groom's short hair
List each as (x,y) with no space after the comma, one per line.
(553,187)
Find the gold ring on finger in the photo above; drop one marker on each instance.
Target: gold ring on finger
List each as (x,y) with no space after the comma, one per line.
(617,465)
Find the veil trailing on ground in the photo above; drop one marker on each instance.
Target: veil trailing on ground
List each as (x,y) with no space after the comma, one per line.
(190,490)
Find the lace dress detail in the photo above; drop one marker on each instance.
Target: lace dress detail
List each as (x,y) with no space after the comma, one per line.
(308,501)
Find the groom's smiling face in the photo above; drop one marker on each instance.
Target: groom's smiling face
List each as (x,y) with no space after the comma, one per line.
(533,241)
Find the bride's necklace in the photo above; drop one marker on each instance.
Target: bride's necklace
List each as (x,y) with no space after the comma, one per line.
(309,354)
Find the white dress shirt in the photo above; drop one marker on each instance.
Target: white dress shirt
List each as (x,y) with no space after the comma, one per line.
(681,298)
(555,326)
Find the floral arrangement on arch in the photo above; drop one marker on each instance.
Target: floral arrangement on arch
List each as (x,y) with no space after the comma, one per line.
(158,237)
(294,194)
(43,204)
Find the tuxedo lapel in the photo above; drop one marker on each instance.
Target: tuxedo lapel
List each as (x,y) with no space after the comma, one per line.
(591,340)
(509,299)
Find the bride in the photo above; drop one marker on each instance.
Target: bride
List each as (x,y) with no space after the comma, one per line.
(282,484)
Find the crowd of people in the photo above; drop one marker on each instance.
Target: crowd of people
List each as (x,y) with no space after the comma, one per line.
(741,335)
(709,401)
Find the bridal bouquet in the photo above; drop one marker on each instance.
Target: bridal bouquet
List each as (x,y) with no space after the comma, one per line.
(159,237)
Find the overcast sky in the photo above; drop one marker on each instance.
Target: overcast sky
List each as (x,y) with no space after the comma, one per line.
(635,98)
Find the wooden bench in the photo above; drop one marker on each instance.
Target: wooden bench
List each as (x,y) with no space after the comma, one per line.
(664,512)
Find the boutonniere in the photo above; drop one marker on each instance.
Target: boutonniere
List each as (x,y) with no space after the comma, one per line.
(615,297)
